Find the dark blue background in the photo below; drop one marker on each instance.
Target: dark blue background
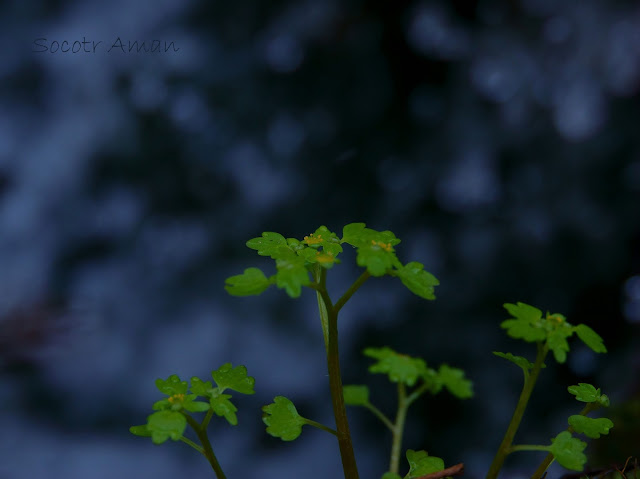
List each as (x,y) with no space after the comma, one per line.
(498,139)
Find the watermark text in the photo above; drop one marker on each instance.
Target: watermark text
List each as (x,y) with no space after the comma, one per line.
(44,45)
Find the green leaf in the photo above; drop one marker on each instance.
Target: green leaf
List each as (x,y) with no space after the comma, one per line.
(165,425)
(526,322)
(201,388)
(375,248)
(282,419)
(521,329)
(323,258)
(377,257)
(417,280)
(292,275)
(590,338)
(172,385)
(165,404)
(557,342)
(196,406)
(142,430)
(228,377)
(221,405)
(390,475)
(585,392)
(519,361)
(589,426)
(176,402)
(421,464)
(433,381)
(524,311)
(356,395)
(250,283)
(568,451)
(270,244)
(356,235)
(455,381)
(603,400)
(399,367)
(324,238)
(332,248)
(295,244)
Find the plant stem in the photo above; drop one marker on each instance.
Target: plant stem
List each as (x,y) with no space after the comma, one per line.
(398,429)
(206,445)
(380,415)
(527,389)
(544,465)
(416,394)
(528,447)
(329,313)
(192,444)
(207,418)
(321,426)
(349,465)
(329,319)
(352,289)
(320,276)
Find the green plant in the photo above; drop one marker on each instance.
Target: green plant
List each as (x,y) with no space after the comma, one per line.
(172,416)
(408,372)
(550,333)
(305,263)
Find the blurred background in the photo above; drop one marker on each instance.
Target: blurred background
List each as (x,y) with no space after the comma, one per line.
(499,139)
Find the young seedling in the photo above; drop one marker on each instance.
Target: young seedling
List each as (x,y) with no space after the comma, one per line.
(305,263)
(172,416)
(413,373)
(550,333)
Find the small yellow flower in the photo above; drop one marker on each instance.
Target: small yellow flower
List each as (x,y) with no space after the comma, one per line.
(176,398)
(555,318)
(324,257)
(312,239)
(385,246)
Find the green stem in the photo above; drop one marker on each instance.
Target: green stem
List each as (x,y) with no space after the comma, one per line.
(380,415)
(343,434)
(528,447)
(544,465)
(313,423)
(192,444)
(349,465)
(320,275)
(206,445)
(398,429)
(352,289)
(207,418)
(416,394)
(329,319)
(527,389)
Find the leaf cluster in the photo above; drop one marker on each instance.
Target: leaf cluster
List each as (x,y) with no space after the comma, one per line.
(296,259)
(401,368)
(588,393)
(170,419)
(413,372)
(565,448)
(552,330)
